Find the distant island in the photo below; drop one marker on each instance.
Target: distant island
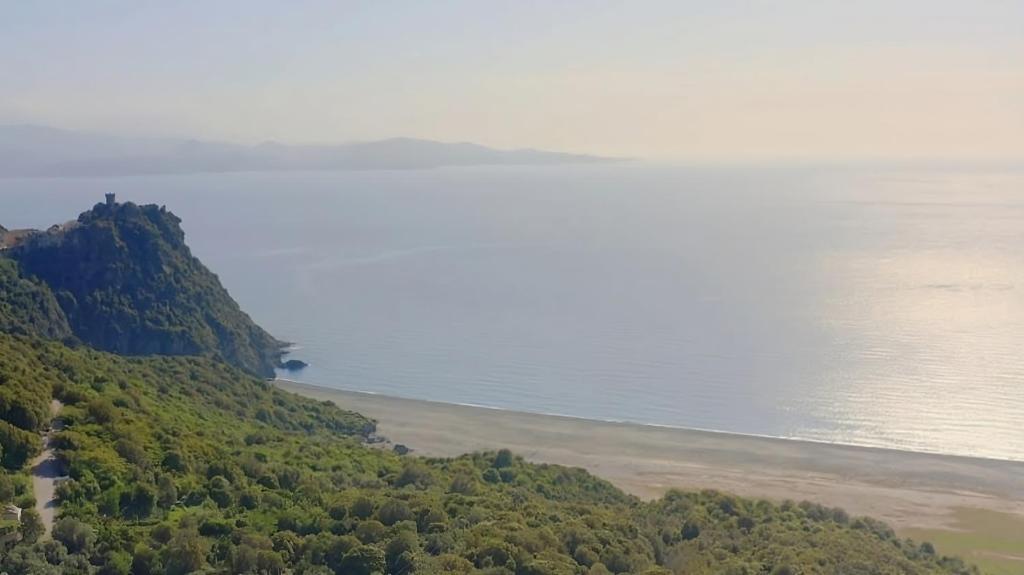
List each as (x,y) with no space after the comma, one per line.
(37,151)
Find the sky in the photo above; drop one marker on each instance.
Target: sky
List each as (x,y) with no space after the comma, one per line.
(673,79)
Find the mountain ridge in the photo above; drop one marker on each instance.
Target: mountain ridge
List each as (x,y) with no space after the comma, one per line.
(39,151)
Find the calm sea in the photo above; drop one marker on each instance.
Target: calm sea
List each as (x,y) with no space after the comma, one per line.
(870,306)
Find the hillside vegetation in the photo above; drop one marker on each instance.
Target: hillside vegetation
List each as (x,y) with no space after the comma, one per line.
(183,464)
(127,283)
(28,306)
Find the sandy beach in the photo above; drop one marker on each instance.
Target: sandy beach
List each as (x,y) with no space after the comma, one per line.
(918,494)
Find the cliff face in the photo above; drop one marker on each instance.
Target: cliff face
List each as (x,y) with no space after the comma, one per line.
(128,284)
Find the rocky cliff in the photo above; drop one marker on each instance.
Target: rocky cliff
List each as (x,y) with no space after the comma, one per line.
(127,283)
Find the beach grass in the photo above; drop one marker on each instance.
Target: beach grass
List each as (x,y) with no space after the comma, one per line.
(991,540)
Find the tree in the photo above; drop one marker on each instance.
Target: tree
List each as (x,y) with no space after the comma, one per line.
(362,508)
(115,563)
(31,526)
(449,563)
(745,523)
(29,560)
(185,553)
(399,552)
(690,530)
(463,483)
(174,461)
(145,561)
(220,491)
(78,537)
(139,502)
(363,560)
(504,458)
(166,492)
(586,556)
(243,559)
(337,549)
(370,531)
(102,411)
(17,446)
(270,563)
(403,564)
(616,561)
(394,511)
(132,451)
(414,473)
(287,544)
(6,485)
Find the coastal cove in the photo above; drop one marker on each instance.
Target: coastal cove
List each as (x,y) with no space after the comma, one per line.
(917,493)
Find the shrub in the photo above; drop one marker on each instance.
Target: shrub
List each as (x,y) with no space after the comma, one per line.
(17,446)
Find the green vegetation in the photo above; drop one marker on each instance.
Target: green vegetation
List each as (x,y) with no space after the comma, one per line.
(181,464)
(992,540)
(128,284)
(28,306)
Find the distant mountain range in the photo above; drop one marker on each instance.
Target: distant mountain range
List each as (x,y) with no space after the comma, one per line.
(27,151)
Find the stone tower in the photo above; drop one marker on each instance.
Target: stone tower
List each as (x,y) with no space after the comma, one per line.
(110,198)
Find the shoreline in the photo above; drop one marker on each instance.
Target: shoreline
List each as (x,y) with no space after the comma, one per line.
(284,383)
(923,495)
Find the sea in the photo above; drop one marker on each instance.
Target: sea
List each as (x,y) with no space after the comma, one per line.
(868,305)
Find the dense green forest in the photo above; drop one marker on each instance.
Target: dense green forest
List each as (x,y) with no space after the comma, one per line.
(185,464)
(28,306)
(127,283)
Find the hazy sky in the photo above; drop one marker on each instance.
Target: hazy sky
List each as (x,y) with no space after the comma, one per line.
(666,79)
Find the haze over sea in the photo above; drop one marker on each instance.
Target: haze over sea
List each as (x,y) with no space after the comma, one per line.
(871,306)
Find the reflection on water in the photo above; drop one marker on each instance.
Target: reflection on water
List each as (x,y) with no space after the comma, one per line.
(935,329)
(878,307)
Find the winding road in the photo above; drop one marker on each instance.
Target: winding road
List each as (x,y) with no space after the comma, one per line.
(46,472)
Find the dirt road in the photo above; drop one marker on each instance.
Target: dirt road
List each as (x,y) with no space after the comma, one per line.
(46,472)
